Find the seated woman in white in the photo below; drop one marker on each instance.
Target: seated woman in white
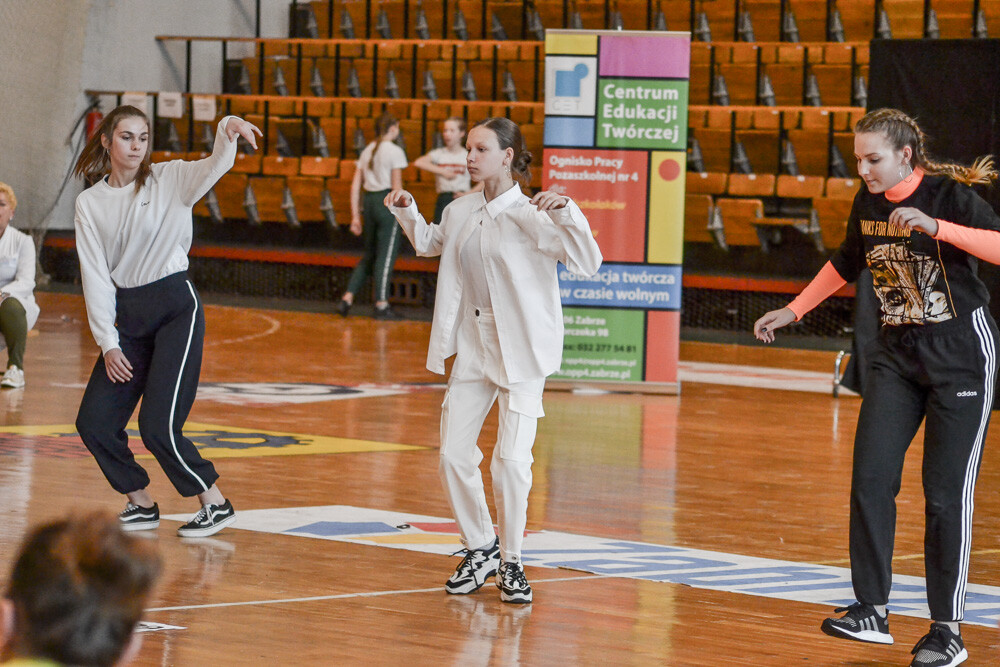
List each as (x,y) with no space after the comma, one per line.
(18,310)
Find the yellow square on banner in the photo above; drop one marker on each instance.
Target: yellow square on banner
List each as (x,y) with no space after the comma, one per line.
(666,207)
(570,45)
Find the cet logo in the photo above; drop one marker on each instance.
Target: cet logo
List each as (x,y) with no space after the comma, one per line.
(570,86)
(568,81)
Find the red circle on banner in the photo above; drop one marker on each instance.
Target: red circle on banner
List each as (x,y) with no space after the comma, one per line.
(669,170)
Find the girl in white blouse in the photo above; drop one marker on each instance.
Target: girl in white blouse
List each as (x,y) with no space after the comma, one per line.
(18,310)
(497,308)
(133,233)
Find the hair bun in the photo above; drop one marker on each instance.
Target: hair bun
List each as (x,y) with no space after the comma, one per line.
(524,159)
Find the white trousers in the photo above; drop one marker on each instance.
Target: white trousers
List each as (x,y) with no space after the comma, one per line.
(478,380)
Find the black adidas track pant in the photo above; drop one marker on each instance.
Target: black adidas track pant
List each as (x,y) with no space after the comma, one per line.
(161,328)
(944,372)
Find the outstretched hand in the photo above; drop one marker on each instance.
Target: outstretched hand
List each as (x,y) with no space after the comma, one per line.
(237,126)
(764,328)
(398,198)
(548,201)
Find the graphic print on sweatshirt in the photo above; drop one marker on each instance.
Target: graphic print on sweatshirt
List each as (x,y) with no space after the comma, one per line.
(911,285)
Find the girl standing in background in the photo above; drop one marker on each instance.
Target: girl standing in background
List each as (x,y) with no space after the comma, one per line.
(448,166)
(379,169)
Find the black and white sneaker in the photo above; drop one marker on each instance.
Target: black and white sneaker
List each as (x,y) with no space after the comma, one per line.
(209,520)
(861,623)
(512,583)
(136,517)
(477,566)
(939,648)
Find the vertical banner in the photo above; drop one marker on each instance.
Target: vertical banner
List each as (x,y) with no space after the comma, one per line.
(616,106)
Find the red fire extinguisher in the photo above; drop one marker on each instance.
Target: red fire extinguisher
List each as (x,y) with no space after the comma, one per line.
(94,120)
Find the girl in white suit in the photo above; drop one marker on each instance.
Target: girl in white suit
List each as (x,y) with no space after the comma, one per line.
(497,308)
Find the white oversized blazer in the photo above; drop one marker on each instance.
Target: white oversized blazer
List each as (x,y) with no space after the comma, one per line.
(521,247)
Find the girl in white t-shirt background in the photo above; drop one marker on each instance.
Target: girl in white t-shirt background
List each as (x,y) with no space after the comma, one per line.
(379,169)
(447,163)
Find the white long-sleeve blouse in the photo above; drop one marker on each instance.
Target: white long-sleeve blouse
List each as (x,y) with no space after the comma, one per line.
(128,239)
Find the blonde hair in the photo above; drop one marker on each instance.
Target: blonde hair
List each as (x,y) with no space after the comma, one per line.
(9,191)
(901,131)
(94,161)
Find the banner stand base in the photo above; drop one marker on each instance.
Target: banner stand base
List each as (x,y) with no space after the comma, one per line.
(610,386)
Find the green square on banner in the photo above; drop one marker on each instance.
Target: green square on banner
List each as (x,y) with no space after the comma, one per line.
(603,344)
(642,113)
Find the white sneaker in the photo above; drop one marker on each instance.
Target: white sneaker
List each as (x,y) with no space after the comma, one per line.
(14,377)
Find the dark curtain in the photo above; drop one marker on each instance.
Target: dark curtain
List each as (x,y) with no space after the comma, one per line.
(951,87)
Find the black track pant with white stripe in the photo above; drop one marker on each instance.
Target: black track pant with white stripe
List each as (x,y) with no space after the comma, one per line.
(161,328)
(383,238)
(944,372)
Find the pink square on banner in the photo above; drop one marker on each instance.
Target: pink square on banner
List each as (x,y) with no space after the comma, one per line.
(646,55)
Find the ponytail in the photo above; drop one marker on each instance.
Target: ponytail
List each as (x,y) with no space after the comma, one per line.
(901,131)
(94,161)
(382,125)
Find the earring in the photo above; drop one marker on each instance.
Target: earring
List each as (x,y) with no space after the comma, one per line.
(905,179)
(506,167)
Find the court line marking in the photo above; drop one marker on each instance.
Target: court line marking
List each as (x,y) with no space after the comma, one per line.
(711,570)
(347,596)
(918,556)
(275,325)
(759,377)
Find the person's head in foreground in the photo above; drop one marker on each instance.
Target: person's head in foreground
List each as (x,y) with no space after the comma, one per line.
(75,595)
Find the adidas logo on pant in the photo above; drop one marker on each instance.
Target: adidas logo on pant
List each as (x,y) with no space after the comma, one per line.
(964,394)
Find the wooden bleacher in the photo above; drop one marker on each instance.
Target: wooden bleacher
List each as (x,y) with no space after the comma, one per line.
(810,76)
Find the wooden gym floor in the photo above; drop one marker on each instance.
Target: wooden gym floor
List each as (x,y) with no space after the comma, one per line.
(738,471)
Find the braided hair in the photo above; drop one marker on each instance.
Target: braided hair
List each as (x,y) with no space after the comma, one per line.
(901,131)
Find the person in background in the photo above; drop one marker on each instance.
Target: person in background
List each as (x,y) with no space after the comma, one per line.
(497,309)
(379,169)
(451,176)
(76,593)
(18,310)
(920,229)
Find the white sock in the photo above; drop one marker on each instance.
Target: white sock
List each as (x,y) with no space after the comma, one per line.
(952,625)
(880,609)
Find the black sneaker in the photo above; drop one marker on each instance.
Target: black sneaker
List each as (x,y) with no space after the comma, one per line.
(209,520)
(861,623)
(386,313)
(136,517)
(343,308)
(512,584)
(939,648)
(477,566)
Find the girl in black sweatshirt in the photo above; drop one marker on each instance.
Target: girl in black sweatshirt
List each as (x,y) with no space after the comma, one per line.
(921,230)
